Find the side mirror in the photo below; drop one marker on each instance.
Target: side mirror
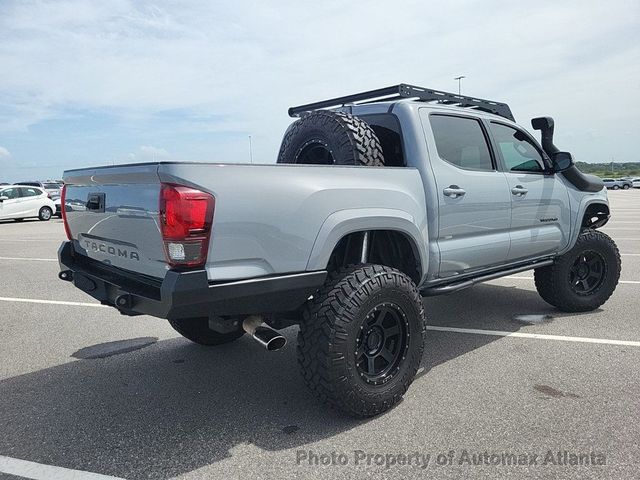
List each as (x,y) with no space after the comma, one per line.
(562,161)
(3,198)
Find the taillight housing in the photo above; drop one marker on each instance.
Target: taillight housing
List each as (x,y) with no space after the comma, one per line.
(63,209)
(186,218)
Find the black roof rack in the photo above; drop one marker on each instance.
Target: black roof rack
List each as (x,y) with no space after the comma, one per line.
(398,92)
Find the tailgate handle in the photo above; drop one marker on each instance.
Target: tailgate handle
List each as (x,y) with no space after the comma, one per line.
(95,202)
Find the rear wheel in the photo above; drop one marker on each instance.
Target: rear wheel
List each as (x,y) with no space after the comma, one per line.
(616,187)
(583,278)
(197,330)
(45,214)
(361,339)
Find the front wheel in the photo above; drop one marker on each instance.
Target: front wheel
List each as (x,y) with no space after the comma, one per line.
(45,214)
(616,187)
(584,278)
(361,339)
(625,186)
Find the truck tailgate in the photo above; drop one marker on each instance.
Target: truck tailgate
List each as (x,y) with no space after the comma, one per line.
(112,214)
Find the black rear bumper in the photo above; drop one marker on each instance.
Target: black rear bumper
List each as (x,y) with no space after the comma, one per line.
(185,294)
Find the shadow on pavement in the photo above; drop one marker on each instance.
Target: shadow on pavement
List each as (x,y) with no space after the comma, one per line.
(174,406)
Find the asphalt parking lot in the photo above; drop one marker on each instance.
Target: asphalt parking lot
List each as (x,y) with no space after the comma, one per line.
(174,409)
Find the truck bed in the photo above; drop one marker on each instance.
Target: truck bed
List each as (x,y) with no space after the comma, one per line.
(268,219)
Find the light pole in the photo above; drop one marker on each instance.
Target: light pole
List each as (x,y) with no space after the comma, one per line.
(250,150)
(459,79)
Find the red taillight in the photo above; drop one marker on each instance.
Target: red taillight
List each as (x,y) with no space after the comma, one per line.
(186,216)
(63,209)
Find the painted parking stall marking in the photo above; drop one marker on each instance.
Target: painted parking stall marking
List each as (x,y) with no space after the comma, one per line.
(538,336)
(39,471)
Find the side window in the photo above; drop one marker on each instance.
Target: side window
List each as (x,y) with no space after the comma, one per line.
(461,141)
(30,192)
(10,193)
(519,153)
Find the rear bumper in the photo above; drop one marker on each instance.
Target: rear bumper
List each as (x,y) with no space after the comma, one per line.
(185,294)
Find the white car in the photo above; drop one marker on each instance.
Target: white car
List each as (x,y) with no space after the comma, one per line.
(18,202)
(636,182)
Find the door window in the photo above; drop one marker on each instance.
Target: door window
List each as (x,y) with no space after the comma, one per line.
(10,193)
(461,141)
(518,151)
(30,192)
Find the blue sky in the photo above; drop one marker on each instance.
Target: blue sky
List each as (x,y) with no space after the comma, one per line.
(88,83)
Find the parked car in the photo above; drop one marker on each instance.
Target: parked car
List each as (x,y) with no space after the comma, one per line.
(18,202)
(635,182)
(617,183)
(345,247)
(58,203)
(53,188)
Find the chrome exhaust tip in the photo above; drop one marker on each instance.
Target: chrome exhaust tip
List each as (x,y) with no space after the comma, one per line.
(263,334)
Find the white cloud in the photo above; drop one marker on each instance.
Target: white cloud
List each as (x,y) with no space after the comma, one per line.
(146,153)
(4,153)
(246,62)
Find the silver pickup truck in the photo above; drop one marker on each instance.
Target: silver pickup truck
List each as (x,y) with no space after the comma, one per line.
(378,199)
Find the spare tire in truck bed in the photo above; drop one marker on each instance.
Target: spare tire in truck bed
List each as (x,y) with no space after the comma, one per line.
(325,137)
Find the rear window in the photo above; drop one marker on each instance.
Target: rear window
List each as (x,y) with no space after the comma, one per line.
(461,142)
(52,186)
(387,129)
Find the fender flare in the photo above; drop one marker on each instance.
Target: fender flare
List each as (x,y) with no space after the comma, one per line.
(577,223)
(343,222)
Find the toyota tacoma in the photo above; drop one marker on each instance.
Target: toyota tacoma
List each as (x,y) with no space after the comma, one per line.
(377,199)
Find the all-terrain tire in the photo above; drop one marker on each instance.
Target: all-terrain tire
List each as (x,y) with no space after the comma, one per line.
(332,335)
(197,330)
(569,284)
(325,137)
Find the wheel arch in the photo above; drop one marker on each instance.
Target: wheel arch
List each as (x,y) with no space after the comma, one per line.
(595,215)
(391,228)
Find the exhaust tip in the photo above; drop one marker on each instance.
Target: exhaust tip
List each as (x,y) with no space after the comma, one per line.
(269,338)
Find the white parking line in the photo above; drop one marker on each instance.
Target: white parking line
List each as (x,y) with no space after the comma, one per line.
(30,259)
(538,336)
(628,282)
(11,240)
(39,471)
(52,302)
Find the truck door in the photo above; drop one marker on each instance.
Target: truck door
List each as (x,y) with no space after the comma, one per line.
(474,201)
(540,214)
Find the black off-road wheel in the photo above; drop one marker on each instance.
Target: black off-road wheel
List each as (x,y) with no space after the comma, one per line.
(331,138)
(197,330)
(361,339)
(585,277)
